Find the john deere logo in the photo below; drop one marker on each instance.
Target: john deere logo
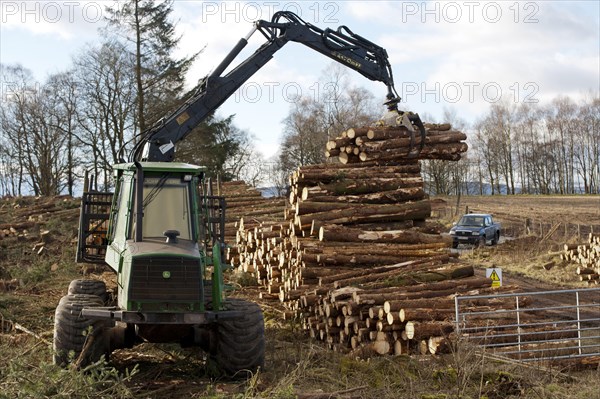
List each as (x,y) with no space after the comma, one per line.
(166,274)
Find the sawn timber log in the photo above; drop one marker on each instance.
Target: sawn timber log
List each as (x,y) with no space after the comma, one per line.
(361,186)
(372,212)
(347,234)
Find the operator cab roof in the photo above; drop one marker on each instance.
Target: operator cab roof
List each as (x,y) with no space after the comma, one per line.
(177,167)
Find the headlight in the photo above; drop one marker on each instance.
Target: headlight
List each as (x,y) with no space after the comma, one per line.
(452,232)
(475,233)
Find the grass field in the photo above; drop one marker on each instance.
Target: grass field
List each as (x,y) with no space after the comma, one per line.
(296,367)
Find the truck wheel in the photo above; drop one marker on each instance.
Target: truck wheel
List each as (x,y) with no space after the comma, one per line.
(454,244)
(481,242)
(89,287)
(240,346)
(496,238)
(73,333)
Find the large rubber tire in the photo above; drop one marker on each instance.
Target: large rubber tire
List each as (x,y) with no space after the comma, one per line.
(240,346)
(481,243)
(454,244)
(89,287)
(72,332)
(496,238)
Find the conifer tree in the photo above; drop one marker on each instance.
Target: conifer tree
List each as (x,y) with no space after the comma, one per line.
(159,77)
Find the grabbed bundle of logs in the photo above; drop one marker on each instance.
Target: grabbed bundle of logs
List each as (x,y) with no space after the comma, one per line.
(391,144)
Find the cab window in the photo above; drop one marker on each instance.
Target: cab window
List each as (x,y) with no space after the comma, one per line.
(121,212)
(166,206)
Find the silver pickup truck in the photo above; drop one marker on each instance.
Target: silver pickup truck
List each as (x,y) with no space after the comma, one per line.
(476,229)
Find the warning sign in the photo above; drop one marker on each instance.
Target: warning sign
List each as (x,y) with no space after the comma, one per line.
(495,274)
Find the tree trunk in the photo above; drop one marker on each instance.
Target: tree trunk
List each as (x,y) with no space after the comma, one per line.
(381,299)
(424,330)
(138,69)
(328,174)
(374,250)
(398,275)
(449,152)
(405,142)
(382,197)
(362,186)
(370,213)
(360,260)
(346,234)
(358,132)
(328,202)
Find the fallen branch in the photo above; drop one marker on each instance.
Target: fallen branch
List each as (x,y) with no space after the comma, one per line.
(19,327)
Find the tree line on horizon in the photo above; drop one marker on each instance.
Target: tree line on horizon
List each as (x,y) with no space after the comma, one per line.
(88,117)
(525,148)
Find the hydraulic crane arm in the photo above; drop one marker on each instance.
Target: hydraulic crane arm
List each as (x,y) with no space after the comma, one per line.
(342,45)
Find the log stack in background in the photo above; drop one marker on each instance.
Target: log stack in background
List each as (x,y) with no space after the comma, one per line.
(354,256)
(246,209)
(587,258)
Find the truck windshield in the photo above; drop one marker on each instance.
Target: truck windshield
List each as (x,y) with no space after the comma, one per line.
(471,221)
(166,207)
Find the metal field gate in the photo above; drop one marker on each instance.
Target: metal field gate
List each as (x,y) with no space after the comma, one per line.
(533,326)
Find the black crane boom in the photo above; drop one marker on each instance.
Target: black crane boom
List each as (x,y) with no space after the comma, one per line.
(341,45)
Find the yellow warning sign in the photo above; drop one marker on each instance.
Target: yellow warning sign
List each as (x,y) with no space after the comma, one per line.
(495,279)
(496,275)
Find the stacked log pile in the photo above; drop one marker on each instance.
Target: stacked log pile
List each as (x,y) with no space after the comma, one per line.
(354,257)
(23,217)
(246,208)
(28,217)
(587,258)
(27,231)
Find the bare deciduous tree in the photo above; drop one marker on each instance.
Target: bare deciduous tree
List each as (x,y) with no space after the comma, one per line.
(34,120)
(313,120)
(106,104)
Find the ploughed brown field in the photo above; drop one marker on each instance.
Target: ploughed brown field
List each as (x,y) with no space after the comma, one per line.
(571,211)
(536,230)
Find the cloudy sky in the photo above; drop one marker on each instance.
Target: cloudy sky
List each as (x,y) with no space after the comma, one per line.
(444,55)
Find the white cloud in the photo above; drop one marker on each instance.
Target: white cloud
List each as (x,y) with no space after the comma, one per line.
(63,19)
(558,54)
(371,11)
